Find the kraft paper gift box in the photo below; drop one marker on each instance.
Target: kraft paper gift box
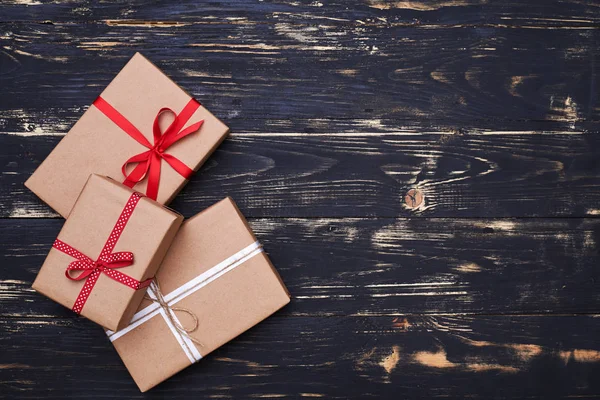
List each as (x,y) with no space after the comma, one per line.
(215,282)
(107,252)
(120,126)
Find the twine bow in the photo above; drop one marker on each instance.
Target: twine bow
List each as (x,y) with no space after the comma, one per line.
(163,305)
(170,311)
(148,163)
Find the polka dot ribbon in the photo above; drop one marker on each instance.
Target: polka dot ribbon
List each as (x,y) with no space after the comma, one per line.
(106,262)
(148,163)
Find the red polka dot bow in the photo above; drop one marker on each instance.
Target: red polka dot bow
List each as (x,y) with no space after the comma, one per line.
(107,260)
(102,264)
(148,163)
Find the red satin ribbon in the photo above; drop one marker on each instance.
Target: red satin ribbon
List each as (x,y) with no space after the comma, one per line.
(148,163)
(106,262)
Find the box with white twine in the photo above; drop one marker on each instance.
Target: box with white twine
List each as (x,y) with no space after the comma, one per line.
(215,283)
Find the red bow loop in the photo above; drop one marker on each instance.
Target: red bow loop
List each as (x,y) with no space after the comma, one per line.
(157,133)
(85,267)
(140,170)
(117,260)
(148,163)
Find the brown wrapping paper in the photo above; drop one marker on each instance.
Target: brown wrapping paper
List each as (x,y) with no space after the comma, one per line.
(96,144)
(225,307)
(148,234)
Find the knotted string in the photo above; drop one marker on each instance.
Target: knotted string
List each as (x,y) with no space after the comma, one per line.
(180,293)
(160,300)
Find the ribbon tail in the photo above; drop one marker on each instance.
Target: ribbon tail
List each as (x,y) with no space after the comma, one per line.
(85,291)
(172,138)
(153,176)
(178,166)
(138,173)
(140,170)
(184,116)
(124,279)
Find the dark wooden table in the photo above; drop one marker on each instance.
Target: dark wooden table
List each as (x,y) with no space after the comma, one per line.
(484,282)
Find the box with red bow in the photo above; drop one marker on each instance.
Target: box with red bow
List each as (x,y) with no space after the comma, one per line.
(143,130)
(107,252)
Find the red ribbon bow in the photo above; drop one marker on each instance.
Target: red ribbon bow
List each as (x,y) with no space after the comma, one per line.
(103,264)
(107,260)
(149,162)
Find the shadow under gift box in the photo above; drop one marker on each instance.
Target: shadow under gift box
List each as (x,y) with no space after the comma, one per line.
(215,272)
(96,144)
(147,234)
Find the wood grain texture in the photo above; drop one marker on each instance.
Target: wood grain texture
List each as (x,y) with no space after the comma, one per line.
(367,175)
(286,66)
(489,108)
(306,357)
(383,266)
(535,13)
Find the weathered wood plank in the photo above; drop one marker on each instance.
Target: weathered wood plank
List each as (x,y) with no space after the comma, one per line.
(269,69)
(39,123)
(461,174)
(342,357)
(538,14)
(382,266)
(338,108)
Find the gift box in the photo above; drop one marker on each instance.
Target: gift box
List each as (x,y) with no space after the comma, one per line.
(143,130)
(107,252)
(214,283)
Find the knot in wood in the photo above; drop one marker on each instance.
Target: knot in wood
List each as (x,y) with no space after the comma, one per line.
(413,198)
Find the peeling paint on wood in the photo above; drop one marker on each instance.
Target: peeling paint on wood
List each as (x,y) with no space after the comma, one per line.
(389,362)
(580,355)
